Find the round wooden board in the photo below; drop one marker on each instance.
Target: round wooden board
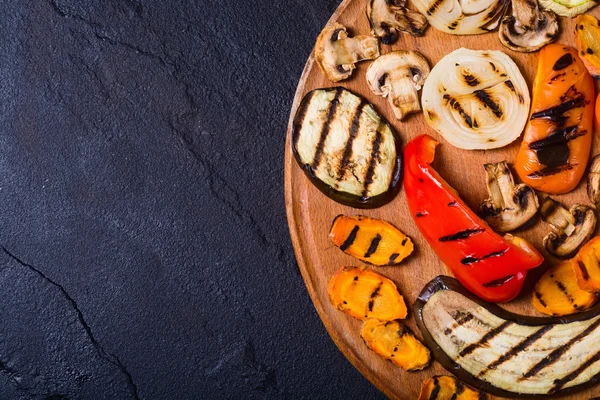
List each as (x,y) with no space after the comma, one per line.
(310,213)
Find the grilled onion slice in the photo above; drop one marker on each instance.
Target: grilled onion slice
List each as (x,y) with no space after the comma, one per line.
(476,99)
(460,17)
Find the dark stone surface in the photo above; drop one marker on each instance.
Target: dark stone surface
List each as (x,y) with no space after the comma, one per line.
(144,246)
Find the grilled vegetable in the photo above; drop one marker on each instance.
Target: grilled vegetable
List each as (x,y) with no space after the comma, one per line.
(508,207)
(395,342)
(462,18)
(388,17)
(528,28)
(505,354)
(370,240)
(556,293)
(336,53)
(476,99)
(363,293)
(399,75)
(346,148)
(593,180)
(572,228)
(568,8)
(586,266)
(492,267)
(556,145)
(448,388)
(587,31)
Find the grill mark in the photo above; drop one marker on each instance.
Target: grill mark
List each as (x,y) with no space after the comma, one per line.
(373,295)
(555,113)
(559,383)
(538,295)
(373,246)
(421,214)
(470,260)
(301,116)
(325,128)
(557,137)
(486,338)
(453,204)
(556,354)
(433,8)
(531,339)
(404,241)
(550,171)
(563,62)
(557,77)
(350,239)
(456,105)
(488,102)
(563,289)
(436,389)
(584,270)
(393,258)
(354,128)
(471,80)
(372,163)
(553,151)
(498,282)
(458,322)
(493,66)
(461,235)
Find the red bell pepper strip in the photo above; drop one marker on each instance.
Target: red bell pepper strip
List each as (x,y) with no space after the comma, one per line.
(490,266)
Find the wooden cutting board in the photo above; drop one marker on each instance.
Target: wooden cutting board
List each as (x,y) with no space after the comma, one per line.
(310,213)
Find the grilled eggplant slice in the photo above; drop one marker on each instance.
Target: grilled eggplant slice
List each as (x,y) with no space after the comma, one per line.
(363,294)
(448,388)
(505,354)
(394,341)
(370,240)
(557,293)
(347,150)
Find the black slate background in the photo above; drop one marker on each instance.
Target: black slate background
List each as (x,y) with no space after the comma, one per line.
(144,245)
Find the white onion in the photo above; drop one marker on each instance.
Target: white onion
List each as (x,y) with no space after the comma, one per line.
(466,17)
(476,99)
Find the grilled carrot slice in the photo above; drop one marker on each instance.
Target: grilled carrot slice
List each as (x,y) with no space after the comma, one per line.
(556,145)
(588,42)
(363,293)
(444,387)
(587,267)
(557,292)
(394,341)
(371,240)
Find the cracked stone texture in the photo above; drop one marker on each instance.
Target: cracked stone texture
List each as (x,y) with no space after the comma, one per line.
(144,251)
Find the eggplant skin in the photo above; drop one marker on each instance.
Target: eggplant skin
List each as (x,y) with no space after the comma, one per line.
(345,198)
(447,283)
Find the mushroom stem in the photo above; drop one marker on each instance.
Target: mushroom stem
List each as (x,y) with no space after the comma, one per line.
(403,96)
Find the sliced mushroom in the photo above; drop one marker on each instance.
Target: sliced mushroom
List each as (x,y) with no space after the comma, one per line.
(399,76)
(336,53)
(388,17)
(528,28)
(508,207)
(593,182)
(572,228)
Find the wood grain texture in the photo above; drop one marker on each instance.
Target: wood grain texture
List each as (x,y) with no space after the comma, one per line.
(310,213)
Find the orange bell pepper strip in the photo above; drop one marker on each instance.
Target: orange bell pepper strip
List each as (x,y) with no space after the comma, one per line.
(490,266)
(556,146)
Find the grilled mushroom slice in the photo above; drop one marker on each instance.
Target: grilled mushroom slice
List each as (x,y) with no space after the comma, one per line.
(593,182)
(399,76)
(388,17)
(573,227)
(508,207)
(528,28)
(336,53)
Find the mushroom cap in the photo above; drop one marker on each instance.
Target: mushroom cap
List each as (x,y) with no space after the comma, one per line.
(573,227)
(528,29)
(336,52)
(401,63)
(388,17)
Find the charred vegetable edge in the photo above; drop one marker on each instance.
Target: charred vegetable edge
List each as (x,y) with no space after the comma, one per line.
(344,198)
(448,283)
